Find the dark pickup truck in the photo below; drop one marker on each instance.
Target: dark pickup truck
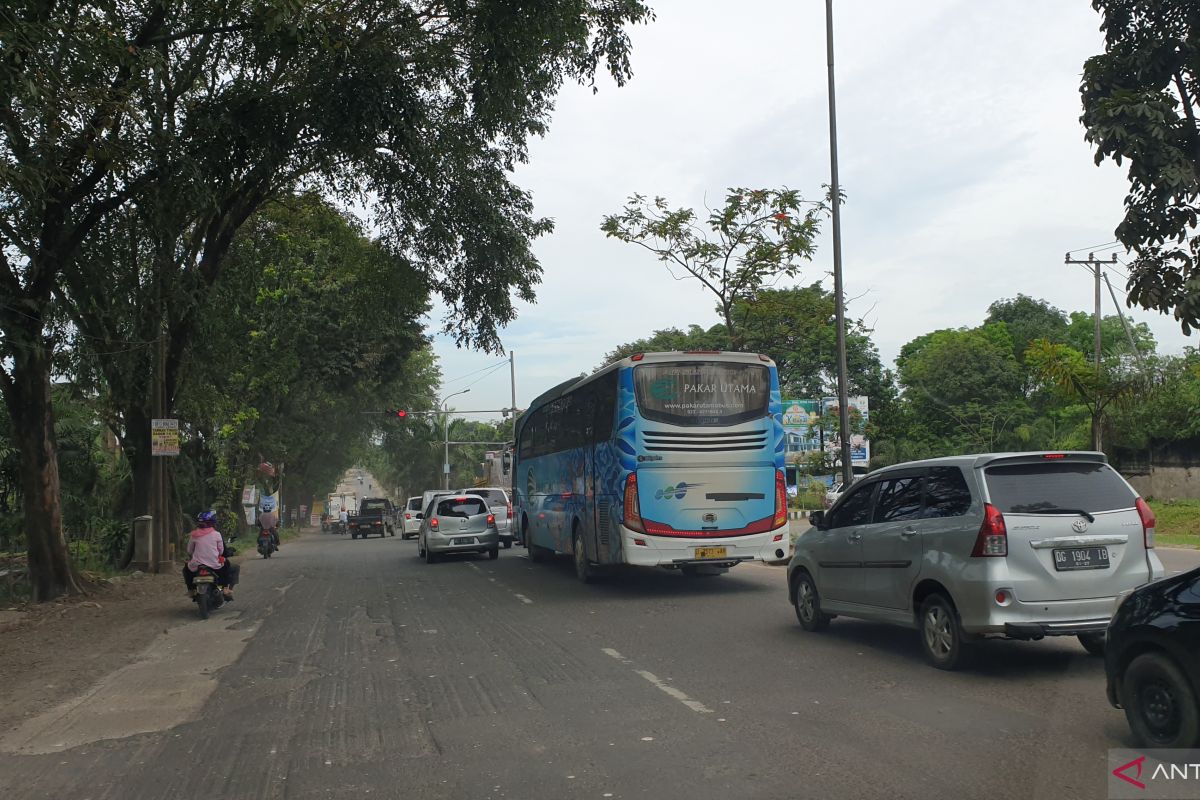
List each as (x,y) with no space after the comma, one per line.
(375,515)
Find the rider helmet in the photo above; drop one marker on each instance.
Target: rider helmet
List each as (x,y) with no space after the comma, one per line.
(206,519)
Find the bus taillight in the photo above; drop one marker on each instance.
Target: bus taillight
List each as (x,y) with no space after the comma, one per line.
(781,517)
(633,509)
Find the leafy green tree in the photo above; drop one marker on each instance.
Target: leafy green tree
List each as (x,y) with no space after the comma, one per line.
(668,339)
(963,388)
(1114,342)
(1028,319)
(196,115)
(1141,106)
(1078,380)
(758,237)
(1167,411)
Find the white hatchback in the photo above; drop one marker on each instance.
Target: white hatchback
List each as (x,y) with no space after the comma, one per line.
(411,518)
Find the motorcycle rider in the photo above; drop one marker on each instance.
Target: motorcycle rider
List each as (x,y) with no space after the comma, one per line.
(206,547)
(268,520)
(343,520)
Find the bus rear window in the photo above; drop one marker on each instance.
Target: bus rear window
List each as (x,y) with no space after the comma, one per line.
(702,393)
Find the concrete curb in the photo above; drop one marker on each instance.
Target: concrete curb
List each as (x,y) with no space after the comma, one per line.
(797,515)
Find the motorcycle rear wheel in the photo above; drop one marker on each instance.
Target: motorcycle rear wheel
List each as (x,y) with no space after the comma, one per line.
(202,603)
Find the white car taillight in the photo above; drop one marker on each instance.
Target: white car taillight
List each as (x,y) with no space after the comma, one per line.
(992,541)
(1148,522)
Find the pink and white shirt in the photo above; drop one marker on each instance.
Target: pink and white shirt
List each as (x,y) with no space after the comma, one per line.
(207,547)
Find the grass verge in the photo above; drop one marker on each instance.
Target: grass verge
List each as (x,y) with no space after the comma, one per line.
(1178,522)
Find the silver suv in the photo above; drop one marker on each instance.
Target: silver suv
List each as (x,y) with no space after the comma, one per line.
(457,523)
(1018,545)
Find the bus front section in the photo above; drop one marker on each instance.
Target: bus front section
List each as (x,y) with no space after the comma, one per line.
(702,442)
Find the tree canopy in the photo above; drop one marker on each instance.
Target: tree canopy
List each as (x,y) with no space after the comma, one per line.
(756,238)
(1141,107)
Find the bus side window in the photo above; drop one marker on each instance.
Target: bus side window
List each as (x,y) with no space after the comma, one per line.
(605,406)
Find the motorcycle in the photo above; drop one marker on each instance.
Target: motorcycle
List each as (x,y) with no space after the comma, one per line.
(208,595)
(266,545)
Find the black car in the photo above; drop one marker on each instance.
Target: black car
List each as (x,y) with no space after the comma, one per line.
(1152,658)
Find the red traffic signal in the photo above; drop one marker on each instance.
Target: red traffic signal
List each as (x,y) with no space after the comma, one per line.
(396,412)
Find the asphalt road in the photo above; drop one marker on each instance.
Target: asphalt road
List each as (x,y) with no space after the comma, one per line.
(352,669)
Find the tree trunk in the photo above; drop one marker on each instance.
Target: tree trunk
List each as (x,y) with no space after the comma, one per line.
(29,405)
(141,463)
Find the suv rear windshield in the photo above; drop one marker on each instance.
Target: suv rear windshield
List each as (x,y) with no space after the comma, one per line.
(373,506)
(414,504)
(493,496)
(701,393)
(1042,487)
(461,507)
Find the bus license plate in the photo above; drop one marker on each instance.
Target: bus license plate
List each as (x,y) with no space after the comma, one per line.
(710,552)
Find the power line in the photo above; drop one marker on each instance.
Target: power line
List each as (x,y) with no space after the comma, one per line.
(1094,247)
(474,372)
(487,374)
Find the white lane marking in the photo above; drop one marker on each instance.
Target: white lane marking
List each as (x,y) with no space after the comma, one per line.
(694,705)
(517,595)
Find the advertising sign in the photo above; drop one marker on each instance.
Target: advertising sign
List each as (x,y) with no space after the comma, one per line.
(801,420)
(811,425)
(860,447)
(164,437)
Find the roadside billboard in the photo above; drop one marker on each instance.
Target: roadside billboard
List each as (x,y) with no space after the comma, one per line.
(810,425)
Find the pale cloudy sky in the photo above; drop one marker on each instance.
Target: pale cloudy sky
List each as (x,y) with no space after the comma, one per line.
(960,151)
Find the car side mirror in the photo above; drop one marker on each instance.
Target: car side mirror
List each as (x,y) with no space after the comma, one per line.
(817,519)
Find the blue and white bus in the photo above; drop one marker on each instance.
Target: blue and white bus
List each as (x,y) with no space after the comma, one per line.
(660,459)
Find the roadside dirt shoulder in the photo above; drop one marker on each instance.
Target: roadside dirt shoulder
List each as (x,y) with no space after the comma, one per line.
(52,651)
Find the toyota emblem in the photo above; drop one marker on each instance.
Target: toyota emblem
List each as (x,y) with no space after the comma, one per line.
(1079,525)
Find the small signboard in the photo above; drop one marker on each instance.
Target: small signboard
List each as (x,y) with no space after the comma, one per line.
(164,437)
(249,495)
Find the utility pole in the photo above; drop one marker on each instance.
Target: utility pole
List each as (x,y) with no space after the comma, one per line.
(512,376)
(446,428)
(1137,354)
(838,290)
(1095,264)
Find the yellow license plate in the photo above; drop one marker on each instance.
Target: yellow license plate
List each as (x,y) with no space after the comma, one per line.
(710,552)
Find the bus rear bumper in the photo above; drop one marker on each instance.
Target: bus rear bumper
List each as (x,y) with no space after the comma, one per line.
(644,550)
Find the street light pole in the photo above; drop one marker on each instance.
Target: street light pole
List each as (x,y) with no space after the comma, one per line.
(446,428)
(838,290)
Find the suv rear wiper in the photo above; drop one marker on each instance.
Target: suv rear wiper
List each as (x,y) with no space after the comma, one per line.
(1078,511)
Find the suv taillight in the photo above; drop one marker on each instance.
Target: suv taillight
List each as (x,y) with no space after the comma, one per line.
(780,500)
(633,510)
(1148,522)
(510,509)
(992,541)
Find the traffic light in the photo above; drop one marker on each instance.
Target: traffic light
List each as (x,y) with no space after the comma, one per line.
(396,412)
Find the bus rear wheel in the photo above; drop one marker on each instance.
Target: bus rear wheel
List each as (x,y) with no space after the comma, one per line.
(536,554)
(583,568)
